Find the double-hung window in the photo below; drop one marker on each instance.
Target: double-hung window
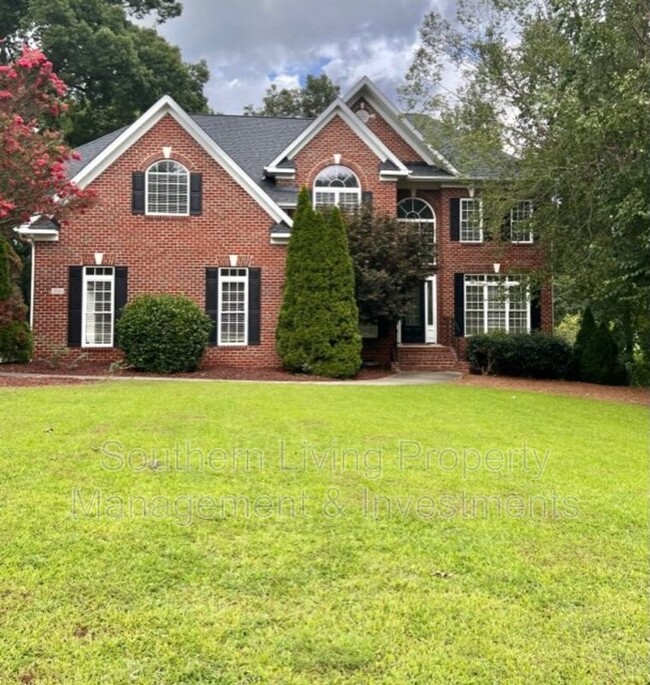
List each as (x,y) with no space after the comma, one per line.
(520,214)
(471,220)
(98,306)
(167,188)
(233,307)
(496,303)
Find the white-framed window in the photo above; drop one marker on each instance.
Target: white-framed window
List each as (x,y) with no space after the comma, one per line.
(167,188)
(97,306)
(520,214)
(420,214)
(233,307)
(471,220)
(337,186)
(496,303)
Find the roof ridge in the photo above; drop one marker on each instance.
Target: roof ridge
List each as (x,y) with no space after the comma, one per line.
(253,116)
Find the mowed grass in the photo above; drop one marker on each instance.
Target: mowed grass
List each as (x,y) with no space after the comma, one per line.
(172,533)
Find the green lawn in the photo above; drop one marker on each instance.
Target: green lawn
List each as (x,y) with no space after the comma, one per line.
(170,533)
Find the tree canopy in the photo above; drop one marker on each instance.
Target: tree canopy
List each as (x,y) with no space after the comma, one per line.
(564,87)
(115,69)
(308,101)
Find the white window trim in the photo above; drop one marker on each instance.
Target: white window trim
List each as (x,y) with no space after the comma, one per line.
(484,280)
(232,279)
(464,201)
(146,191)
(104,278)
(433,222)
(335,190)
(530,238)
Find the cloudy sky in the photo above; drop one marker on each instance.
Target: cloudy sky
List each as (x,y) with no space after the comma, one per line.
(250,44)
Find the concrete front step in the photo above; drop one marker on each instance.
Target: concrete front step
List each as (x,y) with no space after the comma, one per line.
(429,358)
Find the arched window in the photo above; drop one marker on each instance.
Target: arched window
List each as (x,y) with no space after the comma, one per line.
(167,188)
(337,186)
(415,211)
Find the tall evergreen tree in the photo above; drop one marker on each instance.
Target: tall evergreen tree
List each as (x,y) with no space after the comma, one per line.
(318,326)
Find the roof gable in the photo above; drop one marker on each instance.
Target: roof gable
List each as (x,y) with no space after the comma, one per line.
(366,89)
(338,108)
(119,142)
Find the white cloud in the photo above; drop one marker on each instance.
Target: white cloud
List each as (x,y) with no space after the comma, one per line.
(250,44)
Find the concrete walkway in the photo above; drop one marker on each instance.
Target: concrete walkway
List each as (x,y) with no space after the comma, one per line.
(402,378)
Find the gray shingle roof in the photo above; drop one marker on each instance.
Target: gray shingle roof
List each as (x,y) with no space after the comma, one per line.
(90,150)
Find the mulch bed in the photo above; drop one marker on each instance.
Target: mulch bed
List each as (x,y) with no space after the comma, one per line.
(587,390)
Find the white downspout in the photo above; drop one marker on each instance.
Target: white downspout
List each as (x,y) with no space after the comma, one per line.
(32,282)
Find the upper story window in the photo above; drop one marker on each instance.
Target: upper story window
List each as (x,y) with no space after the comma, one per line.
(520,214)
(471,220)
(167,188)
(415,211)
(337,186)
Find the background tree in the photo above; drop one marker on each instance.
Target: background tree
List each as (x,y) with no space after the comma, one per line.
(565,88)
(308,101)
(318,326)
(391,259)
(115,69)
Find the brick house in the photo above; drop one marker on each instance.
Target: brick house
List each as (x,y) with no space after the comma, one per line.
(201,205)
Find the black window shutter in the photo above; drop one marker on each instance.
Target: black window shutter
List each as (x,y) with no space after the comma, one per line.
(535,312)
(254,306)
(196,194)
(366,197)
(403,194)
(454,218)
(459,305)
(120,296)
(212,301)
(137,192)
(75,286)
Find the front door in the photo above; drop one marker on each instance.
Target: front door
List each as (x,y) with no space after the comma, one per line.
(419,324)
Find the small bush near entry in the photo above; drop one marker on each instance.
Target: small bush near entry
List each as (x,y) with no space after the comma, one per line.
(16,342)
(163,333)
(533,355)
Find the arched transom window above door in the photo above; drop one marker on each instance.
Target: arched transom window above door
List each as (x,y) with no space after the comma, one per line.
(337,186)
(415,211)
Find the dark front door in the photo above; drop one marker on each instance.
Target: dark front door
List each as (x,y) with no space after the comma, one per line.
(413,330)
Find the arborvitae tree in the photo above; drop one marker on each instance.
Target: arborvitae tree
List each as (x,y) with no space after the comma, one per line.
(596,355)
(318,324)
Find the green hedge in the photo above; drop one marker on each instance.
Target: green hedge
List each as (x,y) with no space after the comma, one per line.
(16,342)
(163,333)
(533,355)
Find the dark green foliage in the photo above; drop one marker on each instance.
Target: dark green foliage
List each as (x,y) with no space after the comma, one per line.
(390,260)
(5,271)
(163,333)
(309,101)
(595,354)
(598,361)
(115,68)
(533,355)
(16,342)
(318,326)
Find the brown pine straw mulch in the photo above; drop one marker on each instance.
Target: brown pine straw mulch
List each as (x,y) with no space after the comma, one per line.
(57,377)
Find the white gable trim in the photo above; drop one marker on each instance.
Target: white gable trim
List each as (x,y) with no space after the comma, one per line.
(340,109)
(167,106)
(398,122)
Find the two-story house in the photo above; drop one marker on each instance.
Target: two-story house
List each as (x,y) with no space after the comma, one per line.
(201,206)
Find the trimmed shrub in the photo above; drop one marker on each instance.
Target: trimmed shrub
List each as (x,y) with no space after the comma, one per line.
(163,333)
(16,342)
(533,355)
(318,326)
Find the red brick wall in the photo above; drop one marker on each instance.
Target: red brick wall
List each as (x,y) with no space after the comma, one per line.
(163,254)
